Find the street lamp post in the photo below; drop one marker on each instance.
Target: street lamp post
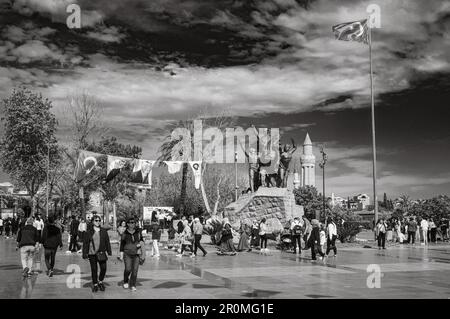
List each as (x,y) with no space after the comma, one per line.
(322,165)
(236,176)
(48,169)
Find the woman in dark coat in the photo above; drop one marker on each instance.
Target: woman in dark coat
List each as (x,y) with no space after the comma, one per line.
(243,241)
(226,241)
(95,246)
(51,240)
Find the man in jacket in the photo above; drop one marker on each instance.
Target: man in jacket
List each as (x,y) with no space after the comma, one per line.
(198,231)
(296,234)
(412,228)
(51,240)
(27,242)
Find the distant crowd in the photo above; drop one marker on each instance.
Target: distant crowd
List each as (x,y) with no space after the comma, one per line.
(411,230)
(35,234)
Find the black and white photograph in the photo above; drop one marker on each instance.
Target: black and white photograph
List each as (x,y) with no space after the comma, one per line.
(216,150)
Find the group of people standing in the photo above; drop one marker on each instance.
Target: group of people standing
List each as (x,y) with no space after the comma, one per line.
(9,226)
(313,234)
(410,230)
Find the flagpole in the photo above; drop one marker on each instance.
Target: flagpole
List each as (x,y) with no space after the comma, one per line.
(374,151)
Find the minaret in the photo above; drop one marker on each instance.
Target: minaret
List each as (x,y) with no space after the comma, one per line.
(308,163)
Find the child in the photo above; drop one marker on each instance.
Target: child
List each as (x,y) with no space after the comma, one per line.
(323,236)
(156,237)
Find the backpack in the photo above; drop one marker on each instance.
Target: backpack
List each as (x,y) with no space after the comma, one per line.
(297,230)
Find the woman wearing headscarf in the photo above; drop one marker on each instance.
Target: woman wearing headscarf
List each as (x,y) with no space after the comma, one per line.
(243,240)
(186,239)
(226,242)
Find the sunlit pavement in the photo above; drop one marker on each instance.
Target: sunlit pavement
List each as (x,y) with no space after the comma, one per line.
(406,272)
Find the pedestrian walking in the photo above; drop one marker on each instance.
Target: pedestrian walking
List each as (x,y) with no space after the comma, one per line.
(28,243)
(314,240)
(96,246)
(1,226)
(161,219)
(51,240)
(381,230)
(323,236)
(7,228)
(198,232)
(73,247)
(82,228)
(296,234)
(307,231)
(331,237)
(186,239)
(132,252)
(15,225)
(156,237)
(122,227)
(263,235)
(39,224)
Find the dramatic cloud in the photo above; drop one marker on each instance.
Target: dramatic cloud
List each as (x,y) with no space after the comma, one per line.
(154,62)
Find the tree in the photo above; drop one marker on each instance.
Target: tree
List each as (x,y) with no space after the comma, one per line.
(174,146)
(83,112)
(29,135)
(348,224)
(310,199)
(405,203)
(167,149)
(436,208)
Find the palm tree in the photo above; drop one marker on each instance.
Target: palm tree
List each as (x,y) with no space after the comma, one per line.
(405,202)
(170,146)
(167,148)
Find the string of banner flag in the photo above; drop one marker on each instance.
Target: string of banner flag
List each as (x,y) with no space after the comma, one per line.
(141,176)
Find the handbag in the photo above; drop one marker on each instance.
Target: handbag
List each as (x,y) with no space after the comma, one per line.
(101,255)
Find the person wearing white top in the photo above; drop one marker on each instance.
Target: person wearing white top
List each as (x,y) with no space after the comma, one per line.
(332,236)
(433,229)
(263,235)
(323,236)
(424,226)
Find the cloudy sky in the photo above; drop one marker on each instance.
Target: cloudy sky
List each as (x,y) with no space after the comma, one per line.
(270,63)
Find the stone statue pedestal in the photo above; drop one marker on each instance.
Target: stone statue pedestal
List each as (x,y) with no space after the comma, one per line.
(277,205)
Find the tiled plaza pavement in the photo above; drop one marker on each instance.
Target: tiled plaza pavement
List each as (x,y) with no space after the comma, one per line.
(407,272)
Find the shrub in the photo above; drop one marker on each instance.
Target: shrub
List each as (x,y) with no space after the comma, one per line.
(348,230)
(213,229)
